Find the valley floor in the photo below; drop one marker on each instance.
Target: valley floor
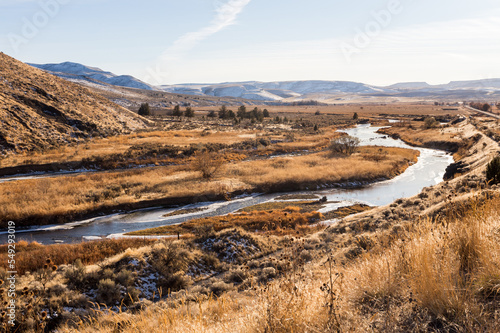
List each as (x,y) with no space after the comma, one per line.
(426,263)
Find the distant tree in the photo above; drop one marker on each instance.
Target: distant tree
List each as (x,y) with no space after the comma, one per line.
(355,116)
(481,106)
(316,127)
(257,114)
(345,145)
(231,114)
(317,113)
(144,110)
(265,113)
(212,114)
(177,111)
(189,112)
(223,112)
(242,112)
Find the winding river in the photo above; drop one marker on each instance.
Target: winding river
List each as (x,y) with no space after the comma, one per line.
(428,171)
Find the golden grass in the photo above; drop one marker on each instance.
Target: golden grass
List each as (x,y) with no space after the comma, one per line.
(290,220)
(121,143)
(436,276)
(32,256)
(321,168)
(109,147)
(59,199)
(417,135)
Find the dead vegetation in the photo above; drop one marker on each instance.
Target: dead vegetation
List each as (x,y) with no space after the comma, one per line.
(290,220)
(438,275)
(58,200)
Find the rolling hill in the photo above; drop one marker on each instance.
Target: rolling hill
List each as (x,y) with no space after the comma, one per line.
(40,110)
(252,92)
(78,73)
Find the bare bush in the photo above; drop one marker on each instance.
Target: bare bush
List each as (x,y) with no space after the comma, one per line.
(431,122)
(208,163)
(345,145)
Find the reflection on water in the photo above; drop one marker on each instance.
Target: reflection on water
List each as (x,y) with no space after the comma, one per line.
(428,171)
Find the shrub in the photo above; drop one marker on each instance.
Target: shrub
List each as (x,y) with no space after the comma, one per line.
(125,278)
(76,276)
(345,145)
(493,171)
(219,287)
(267,273)
(170,258)
(175,282)
(430,122)
(237,275)
(144,110)
(208,163)
(108,292)
(132,296)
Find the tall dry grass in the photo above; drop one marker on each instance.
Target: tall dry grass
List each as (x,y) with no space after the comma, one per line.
(321,168)
(417,135)
(32,256)
(440,276)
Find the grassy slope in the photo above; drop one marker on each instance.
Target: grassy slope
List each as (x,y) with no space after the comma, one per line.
(41,110)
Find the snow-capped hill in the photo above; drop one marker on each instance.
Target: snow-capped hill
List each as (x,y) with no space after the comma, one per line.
(314,87)
(486,84)
(410,86)
(276,91)
(248,91)
(78,73)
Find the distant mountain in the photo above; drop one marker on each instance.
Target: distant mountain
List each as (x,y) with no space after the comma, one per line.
(410,85)
(283,91)
(486,84)
(78,73)
(38,110)
(276,91)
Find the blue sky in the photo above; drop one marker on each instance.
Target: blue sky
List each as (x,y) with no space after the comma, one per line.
(208,41)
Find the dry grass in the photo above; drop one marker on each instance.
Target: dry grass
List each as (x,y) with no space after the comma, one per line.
(57,200)
(415,134)
(317,169)
(290,220)
(120,145)
(438,276)
(32,256)
(101,148)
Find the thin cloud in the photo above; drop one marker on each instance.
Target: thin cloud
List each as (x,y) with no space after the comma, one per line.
(226,15)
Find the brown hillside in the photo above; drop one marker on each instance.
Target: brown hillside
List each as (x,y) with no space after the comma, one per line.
(40,110)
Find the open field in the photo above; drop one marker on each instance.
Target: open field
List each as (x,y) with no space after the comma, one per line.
(166,141)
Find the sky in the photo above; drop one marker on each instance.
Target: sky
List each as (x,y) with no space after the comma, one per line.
(379,42)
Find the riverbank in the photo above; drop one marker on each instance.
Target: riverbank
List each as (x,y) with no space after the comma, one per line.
(68,198)
(415,134)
